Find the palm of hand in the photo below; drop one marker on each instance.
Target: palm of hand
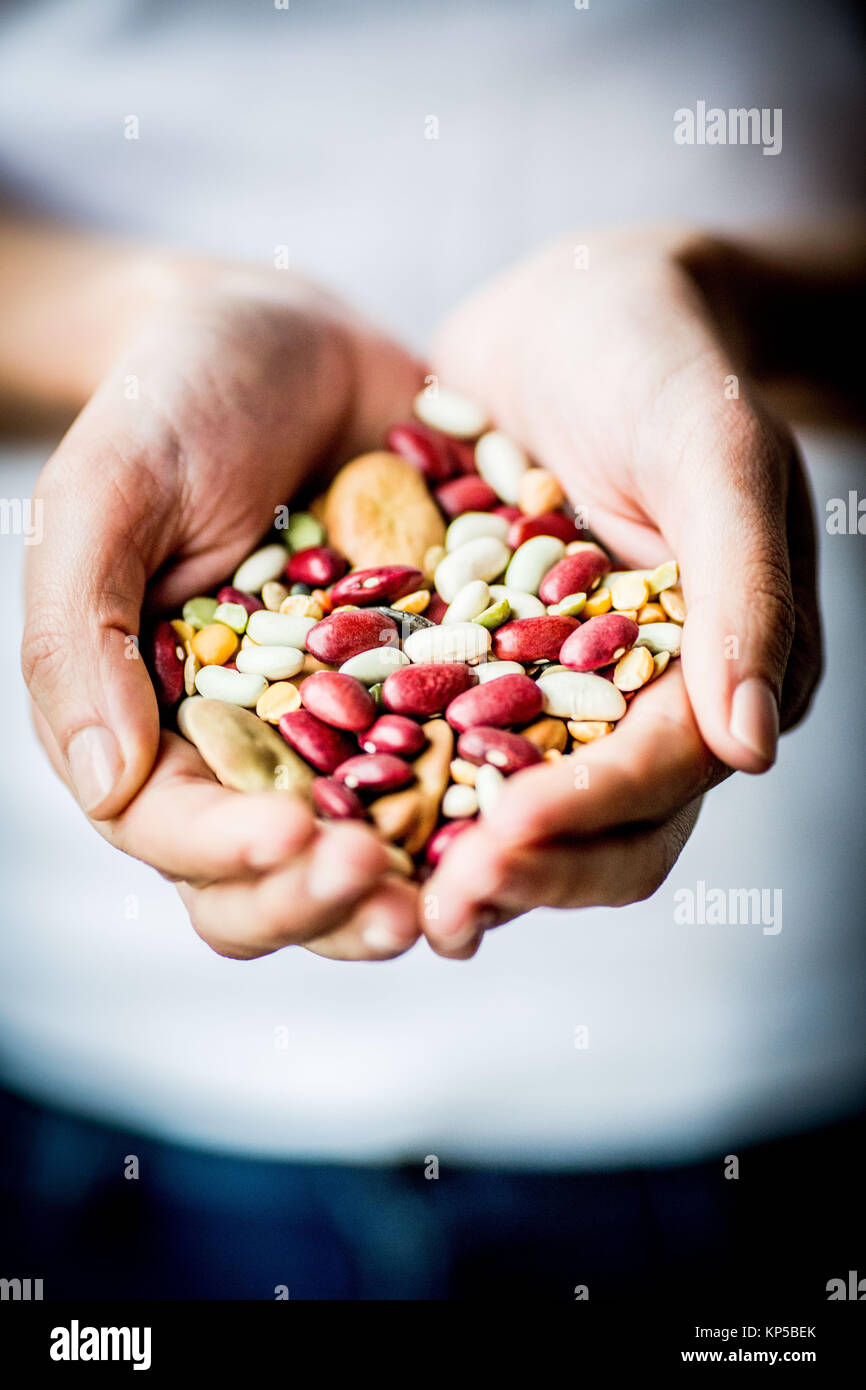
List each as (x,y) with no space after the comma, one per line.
(616,379)
(236,401)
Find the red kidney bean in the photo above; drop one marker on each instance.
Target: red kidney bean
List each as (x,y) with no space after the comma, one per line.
(323,747)
(426,688)
(463,454)
(394,733)
(341,701)
(468,494)
(343,635)
(336,802)
(507,700)
(574,574)
(436,608)
(318,566)
(426,450)
(443,837)
(382,584)
(508,513)
(378,772)
(532,639)
(503,749)
(229,594)
(547,524)
(598,642)
(166,667)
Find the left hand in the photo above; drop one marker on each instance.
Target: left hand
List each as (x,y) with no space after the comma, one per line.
(614,378)
(250,382)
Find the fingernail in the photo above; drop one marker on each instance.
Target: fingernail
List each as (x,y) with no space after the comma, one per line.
(755,718)
(457,940)
(377,937)
(466,946)
(95,764)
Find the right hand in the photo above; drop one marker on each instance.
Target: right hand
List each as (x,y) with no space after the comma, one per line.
(242,388)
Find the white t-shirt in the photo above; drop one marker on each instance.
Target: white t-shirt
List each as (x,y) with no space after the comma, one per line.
(593,1037)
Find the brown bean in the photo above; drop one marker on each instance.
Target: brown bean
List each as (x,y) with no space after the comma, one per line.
(394,733)
(425,448)
(411,815)
(548,524)
(229,594)
(381,584)
(507,700)
(374,772)
(341,701)
(336,802)
(445,836)
(466,494)
(598,642)
(323,747)
(532,639)
(343,635)
(574,574)
(499,747)
(427,687)
(167,657)
(318,566)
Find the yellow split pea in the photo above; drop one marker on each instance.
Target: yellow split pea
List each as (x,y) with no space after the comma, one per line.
(215,644)
(280,698)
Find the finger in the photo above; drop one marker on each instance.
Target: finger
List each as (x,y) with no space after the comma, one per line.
(807,652)
(289,906)
(654,762)
(383,927)
(724,516)
(85,585)
(610,871)
(188,826)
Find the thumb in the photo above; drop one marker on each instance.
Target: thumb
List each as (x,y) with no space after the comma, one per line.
(84,589)
(725,521)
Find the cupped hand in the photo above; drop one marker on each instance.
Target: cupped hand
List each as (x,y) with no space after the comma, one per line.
(608,364)
(233,393)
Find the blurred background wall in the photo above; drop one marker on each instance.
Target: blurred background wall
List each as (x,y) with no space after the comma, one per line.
(261,128)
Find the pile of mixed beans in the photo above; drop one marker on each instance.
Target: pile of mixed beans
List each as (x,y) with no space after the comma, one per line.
(436,622)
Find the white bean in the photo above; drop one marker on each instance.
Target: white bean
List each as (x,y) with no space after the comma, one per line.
(459,802)
(279,629)
(263,565)
(456,642)
(489,786)
(484,558)
(234,687)
(449,412)
(581,695)
(501,463)
(471,525)
(531,561)
(660,637)
(522,605)
(374,665)
(472,599)
(489,670)
(277,663)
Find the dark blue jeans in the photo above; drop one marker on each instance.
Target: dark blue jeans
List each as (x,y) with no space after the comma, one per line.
(205,1225)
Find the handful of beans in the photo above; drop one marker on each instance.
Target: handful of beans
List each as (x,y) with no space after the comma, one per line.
(407,693)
